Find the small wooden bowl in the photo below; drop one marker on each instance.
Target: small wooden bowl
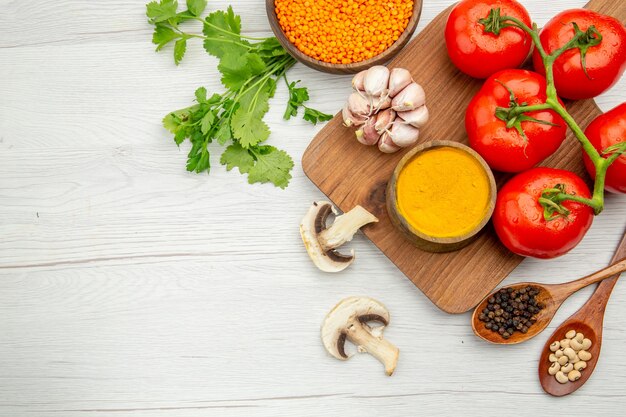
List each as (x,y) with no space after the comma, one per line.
(353,68)
(420,239)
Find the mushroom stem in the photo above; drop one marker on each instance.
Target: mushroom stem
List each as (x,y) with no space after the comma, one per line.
(378,347)
(344,227)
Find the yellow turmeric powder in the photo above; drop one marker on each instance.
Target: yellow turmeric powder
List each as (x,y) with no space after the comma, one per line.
(343,31)
(443,192)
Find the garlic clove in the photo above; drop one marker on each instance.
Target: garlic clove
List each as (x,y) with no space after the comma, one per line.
(384,120)
(416,118)
(350,119)
(358,105)
(360,136)
(358,81)
(386,145)
(380,103)
(410,98)
(376,81)
(368,135)
(398,79)
(403,134)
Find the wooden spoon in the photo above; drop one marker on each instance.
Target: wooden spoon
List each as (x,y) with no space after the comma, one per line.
(552,295)
(587,320)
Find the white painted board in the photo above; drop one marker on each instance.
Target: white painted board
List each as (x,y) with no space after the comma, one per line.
(129,287)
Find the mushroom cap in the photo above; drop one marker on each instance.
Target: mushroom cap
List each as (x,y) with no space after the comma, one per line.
(362,309)
(312,225)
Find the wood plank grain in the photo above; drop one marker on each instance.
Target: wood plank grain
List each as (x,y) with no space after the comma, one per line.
(350,174)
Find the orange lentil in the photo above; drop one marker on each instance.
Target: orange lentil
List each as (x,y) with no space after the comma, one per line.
(343,31)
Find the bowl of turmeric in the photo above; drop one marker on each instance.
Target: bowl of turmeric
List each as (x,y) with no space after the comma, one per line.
(343,36)
(441,195)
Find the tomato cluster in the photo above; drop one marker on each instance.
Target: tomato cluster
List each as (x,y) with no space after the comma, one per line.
(514,124)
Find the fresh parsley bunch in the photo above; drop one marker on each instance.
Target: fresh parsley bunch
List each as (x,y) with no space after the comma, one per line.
(251,69)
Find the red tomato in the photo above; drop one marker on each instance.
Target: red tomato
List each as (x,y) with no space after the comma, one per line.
(605,62)
(504,148)
(480,54)
(519,221)
(606,130)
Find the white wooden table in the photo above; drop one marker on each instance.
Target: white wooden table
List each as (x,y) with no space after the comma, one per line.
(129,287)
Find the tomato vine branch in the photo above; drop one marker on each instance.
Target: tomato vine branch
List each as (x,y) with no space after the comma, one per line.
(552,197)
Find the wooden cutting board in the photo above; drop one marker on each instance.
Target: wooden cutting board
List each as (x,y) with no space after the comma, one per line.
(350,173)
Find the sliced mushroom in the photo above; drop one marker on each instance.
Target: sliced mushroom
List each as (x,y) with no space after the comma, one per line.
(321,241)
(348,320)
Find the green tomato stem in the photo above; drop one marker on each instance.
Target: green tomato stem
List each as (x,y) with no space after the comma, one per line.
(527,109)
(552,102)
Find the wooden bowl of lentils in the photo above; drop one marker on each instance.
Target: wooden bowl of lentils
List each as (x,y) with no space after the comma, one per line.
(343,36)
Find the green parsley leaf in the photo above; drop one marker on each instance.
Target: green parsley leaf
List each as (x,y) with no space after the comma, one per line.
(181,17)
(223,134)
(214,99)
(236,156)
(270,47)
(171,122)
(207,122)
(163,35)
(249,128)
(196,137)
(272,165)
(198,158)
(237,69)
(315,116)
(175,119)
(161,11)
(180,136)
(223,32)
(247,124)
(271,87)
(196,7)
(192,162)
(233,20)
(256,64)
(179,50)
(204,162)
(256,101)
(201,95)
(297,97)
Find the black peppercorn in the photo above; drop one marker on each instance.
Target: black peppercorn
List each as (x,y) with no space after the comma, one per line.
(511,310)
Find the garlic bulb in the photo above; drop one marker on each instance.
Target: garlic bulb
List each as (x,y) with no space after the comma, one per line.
(387,108)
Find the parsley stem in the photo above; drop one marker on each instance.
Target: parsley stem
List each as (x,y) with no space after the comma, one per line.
(277,67)
(225,41)
(286,61)
(228,32)
(231,41)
